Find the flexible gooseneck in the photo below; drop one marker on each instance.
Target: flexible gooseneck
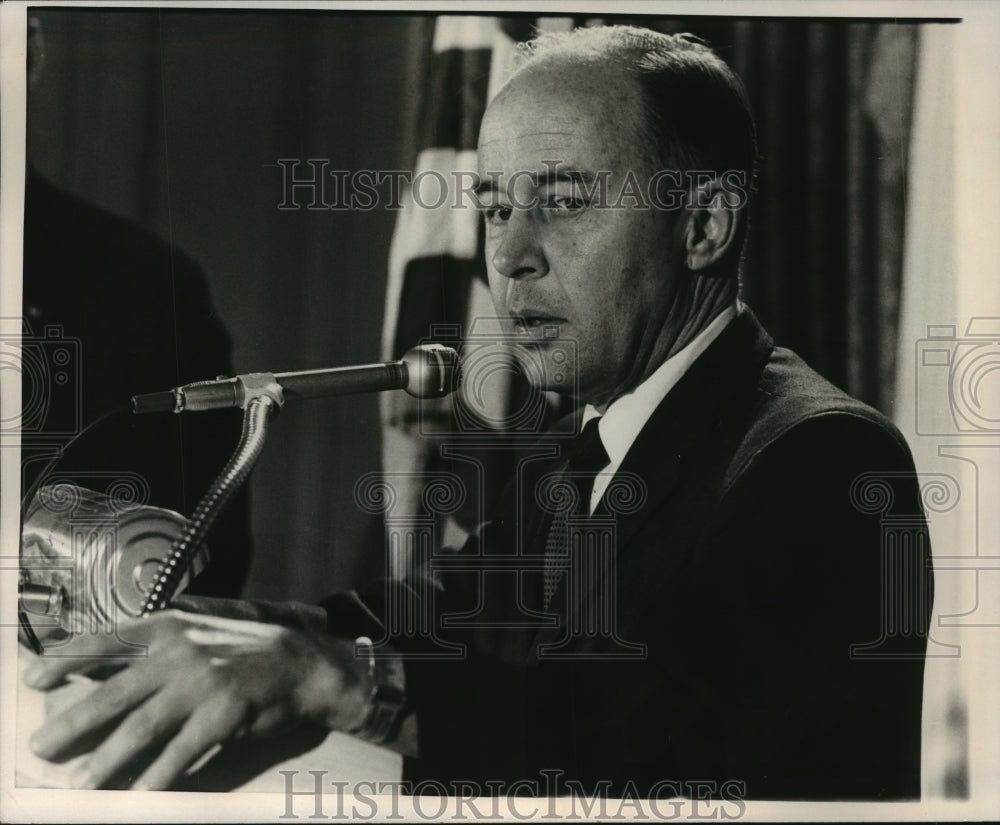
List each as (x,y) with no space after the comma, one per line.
(427,371)
(256,417)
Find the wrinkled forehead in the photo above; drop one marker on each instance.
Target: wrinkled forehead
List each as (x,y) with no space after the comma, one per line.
(541,135)
(577,118)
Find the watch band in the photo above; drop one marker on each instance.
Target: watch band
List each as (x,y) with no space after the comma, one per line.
(387,700)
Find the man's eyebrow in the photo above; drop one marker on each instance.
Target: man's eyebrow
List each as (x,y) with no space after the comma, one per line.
(489,183)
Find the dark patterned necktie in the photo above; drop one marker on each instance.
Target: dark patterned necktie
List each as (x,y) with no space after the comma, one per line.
(586,457)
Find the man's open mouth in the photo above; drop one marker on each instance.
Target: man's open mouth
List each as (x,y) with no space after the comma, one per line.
(536,325)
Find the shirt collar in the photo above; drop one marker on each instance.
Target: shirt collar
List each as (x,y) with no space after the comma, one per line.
(628,414)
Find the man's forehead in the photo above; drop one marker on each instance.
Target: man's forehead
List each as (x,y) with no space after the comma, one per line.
(533,115)
(533,122)
(530,132)
(567,140)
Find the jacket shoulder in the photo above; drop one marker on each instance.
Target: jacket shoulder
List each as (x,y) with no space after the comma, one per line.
(120,249)
(792,398)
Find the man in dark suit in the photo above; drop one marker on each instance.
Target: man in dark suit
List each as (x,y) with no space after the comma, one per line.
(747,573)
(717,610)
(751,577)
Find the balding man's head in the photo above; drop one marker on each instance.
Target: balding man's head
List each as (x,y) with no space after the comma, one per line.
(697,117)
(575,245)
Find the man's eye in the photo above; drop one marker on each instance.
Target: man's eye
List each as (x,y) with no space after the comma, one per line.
(565,203)
(496,214)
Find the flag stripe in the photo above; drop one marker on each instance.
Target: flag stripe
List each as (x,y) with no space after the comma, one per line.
(436,270)
(434,290)
(464,32)
(425,233)
(456,99)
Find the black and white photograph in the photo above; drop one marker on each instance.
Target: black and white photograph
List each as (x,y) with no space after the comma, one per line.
(524,412)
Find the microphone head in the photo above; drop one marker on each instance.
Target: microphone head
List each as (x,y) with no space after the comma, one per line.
(432,371)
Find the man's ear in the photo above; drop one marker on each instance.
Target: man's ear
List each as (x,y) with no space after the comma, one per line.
(711,227)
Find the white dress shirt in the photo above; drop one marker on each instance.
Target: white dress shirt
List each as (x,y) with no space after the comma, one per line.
(627,415)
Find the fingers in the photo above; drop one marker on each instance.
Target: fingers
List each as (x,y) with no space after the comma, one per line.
(148,726)
(83,653)
(269,720)
(84,656)
(64,696)
(203,682)
(136,638)
(220,718)
(110,701)
(46,674)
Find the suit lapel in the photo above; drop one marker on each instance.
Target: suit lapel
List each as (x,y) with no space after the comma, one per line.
(665,453)
(715,387)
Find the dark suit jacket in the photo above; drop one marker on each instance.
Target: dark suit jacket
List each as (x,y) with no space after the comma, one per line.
(139,317)
(748,573)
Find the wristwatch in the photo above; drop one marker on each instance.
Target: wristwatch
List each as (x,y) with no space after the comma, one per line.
(387,700)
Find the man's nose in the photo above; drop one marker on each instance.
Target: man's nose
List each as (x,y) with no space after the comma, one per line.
(519,254)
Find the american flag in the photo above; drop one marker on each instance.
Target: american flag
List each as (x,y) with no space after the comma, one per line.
(437,279)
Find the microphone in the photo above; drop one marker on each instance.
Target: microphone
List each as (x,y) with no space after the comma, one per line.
(427,371)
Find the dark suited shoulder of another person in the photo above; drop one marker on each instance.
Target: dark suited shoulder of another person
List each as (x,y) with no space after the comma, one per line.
(143,315)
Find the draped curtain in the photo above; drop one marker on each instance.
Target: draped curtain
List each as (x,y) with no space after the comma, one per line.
(833,105)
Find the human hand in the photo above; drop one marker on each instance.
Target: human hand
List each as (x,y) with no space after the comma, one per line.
(203,681)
